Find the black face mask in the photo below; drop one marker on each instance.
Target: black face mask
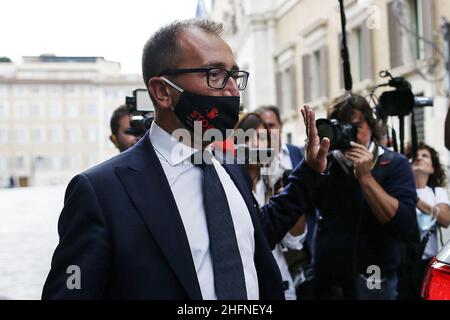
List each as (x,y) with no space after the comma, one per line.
(214,112)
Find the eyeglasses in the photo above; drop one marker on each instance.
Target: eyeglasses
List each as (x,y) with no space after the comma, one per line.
(217,78)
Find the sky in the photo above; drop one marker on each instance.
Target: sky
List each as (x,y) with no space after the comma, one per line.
(114,29)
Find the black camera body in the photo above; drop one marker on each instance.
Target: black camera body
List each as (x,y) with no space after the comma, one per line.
(339,133)
(401,101)
(142,112)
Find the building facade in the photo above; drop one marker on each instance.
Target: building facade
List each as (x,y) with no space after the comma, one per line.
(292,50)
(54,116)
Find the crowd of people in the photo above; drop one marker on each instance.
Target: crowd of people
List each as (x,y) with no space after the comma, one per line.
(313,223)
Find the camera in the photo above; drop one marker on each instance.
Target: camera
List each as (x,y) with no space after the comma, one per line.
(246,155)
(142,112)
(401,101)
(339,133)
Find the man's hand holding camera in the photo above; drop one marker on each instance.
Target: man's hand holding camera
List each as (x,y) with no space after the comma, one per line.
(362,160)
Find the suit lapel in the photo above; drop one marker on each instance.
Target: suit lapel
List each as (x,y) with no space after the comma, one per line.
(146,184)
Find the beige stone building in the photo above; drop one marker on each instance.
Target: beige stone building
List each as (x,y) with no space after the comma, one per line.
(292,51)
(54,116)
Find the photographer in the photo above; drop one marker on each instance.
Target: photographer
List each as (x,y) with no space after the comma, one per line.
(121,136)
(367,206)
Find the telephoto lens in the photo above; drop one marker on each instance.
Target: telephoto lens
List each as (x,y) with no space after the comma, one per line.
(339,133)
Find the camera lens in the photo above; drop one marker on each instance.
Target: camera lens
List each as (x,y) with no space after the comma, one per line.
(325,129)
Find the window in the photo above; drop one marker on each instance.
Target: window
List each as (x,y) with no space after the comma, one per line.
(409,20)
(20,111)
(20,90)
(56,134)
(21,135)
(4,164)
(92,160)
(3,136)
(35,90)
(360,50)
(3,91)
(286,84)
(74,162)
(40,163)
(73,135)
(91,110)
(73,110)
(57,162)
(36,110)
(419,119)
(70,89)
(111,93)
(315,79)
(289,89)
(92,135)
(286,89)
(55,109)
(20,163)
(54,90)
(92,90)
(37,135)
(4,110)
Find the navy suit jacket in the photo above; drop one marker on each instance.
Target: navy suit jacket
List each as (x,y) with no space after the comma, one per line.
(120,225)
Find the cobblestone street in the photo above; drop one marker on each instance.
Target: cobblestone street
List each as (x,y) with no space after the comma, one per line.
(28,236)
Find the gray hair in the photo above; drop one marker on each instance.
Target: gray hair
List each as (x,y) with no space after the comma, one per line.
(162,51)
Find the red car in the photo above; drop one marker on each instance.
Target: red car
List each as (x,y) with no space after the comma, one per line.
(436,284)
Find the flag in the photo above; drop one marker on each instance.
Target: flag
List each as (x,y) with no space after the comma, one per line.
(201,12)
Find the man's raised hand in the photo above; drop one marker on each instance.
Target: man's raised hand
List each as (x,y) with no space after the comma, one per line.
(316,151)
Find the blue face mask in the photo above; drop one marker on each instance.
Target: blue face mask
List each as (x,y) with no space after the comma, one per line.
(425,221)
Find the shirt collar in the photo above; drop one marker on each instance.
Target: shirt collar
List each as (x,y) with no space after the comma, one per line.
(284,149)
(169,148)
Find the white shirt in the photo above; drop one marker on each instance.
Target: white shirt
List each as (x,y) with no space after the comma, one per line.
(185,181)
(427,195)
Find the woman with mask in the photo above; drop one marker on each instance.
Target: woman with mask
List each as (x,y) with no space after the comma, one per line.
(433,206)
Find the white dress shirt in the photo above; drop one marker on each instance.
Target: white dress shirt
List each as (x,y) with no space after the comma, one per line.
(185,181)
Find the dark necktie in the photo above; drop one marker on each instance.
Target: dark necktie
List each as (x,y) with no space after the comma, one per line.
(229,280)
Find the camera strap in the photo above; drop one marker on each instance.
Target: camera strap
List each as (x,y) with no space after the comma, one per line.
(373,148)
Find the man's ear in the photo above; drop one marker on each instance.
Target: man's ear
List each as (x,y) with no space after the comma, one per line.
(113,140)
(160,91)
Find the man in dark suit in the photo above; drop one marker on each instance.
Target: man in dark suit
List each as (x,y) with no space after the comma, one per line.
(150,224)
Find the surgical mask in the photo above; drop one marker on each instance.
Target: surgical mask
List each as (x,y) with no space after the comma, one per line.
(214,112)
(425,221)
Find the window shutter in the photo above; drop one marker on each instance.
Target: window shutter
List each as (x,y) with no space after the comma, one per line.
(367,58)
(307,81)
(278,88)
(293,86)
(428,26)
(395,36)
(323,80)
